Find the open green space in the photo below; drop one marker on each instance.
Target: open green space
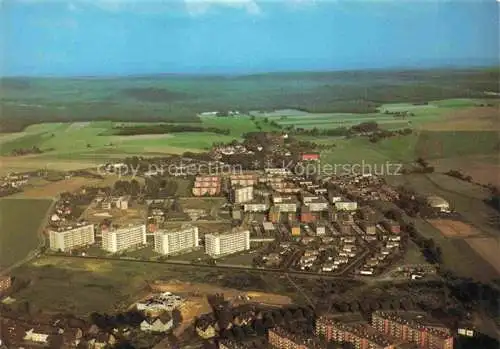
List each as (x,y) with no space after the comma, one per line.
(82,286)
(20,221)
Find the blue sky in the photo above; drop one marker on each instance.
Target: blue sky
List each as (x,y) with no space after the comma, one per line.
(120,37)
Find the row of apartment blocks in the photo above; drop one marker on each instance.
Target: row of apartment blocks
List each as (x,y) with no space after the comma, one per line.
(165,242)
(69,238)
(216,245)
(388,330)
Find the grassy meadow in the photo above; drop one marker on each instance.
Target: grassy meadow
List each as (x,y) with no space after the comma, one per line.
(18,235)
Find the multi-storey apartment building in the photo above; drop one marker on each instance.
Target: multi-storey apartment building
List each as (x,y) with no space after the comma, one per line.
(282,339)
(243,179)
(242,194)
(255,207)
(346,205)
(171,242)
(416,327)
(286,206)
(360,335)
(217,245)
(124,238)
(317,205)
(207,185)
(5,282)
(71,237)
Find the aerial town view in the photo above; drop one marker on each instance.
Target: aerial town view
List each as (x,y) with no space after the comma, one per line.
(249,174)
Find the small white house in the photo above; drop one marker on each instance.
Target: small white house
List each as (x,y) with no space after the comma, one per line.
(157,325)
(34,336)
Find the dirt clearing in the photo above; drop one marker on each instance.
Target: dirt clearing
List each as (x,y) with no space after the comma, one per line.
(454,229)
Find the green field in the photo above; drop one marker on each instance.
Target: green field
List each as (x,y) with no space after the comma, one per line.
(96,141)
(84,285)
(20,221)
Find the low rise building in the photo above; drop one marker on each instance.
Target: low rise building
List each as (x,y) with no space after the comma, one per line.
(160,303)
(438,203)
(171,242)
(391,226)
(124,238)
(217,245)
(160,324)
(70,237)
(306,216)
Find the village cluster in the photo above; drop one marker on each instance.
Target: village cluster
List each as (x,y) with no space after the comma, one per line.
(319,224)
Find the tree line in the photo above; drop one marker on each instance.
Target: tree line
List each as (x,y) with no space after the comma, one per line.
(165,128)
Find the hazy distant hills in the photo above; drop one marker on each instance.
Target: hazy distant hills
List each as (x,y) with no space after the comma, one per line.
(175,97)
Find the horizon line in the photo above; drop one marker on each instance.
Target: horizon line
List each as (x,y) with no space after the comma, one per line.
(450,66)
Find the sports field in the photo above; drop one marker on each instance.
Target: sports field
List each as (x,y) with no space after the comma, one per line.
(20,223)
(454,228)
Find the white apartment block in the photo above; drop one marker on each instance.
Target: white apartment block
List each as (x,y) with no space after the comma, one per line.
(124,238)
(346,205)
(316,206)
(255,207)
(286,206)
(217,245)
(170,242)
(242,194)
(69,238)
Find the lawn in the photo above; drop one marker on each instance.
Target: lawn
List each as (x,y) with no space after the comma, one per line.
(20,221)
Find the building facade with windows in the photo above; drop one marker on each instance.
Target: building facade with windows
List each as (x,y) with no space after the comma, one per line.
(5,283)
(217,245)
(242,194)
(71,237)
(125,238)
(171,242)
(415,327)
(360,335)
